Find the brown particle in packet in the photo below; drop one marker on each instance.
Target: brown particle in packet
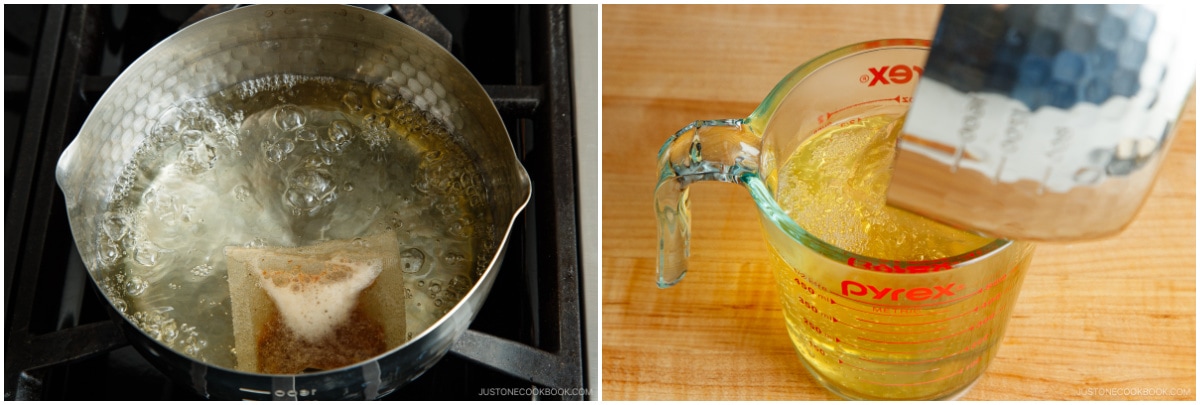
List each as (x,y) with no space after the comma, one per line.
(323,306)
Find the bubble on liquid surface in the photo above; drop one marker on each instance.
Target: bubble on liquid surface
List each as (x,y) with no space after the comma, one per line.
(290,117)
(412,260)
(277,151)
(135,286)
(352,101)
(109,252)
(115,226)
(453,258)
(203,270)
(309,190)
(197,158)
(241,192)
(459,284)
(337,138)
(307,134)
(120,305)
(147,253)
(383,98)
(191,137)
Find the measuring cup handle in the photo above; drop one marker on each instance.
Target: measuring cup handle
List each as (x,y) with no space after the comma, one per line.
(721,150)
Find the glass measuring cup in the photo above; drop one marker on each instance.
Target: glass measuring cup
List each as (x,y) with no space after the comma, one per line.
(865,327)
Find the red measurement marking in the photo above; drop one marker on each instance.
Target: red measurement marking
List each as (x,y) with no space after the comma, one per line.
(968,348)
(888,372)
(960,371)
(805,287)
(977,308)
(894,333)
(973,326)
(876,311)
(884,268)
(825,118)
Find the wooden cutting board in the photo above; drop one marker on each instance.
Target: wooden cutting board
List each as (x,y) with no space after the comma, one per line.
(1099,320)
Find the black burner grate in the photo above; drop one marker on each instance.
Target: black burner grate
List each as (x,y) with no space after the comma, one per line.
(60,343)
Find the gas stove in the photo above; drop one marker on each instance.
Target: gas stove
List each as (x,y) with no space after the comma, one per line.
(61,344)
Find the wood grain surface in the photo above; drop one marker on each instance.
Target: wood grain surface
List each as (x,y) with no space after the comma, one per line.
(1109,319)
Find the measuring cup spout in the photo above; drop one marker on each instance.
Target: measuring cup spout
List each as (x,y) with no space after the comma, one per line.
(721,150)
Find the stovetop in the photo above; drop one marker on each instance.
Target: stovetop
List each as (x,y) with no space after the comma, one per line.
(526,343)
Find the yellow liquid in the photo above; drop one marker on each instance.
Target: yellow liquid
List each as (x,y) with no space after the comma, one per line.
(864,327)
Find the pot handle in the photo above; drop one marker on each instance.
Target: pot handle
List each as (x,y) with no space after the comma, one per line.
(721,150)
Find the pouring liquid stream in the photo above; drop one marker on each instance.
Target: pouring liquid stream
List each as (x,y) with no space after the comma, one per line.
(287,161)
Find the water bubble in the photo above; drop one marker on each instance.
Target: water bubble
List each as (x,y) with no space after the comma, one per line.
(191,136)
(437,302)
(407,293)
(212,123)
(241,192)
(453,258)
(412,260)
(422,183)
(197,158)
(352,101)
(447,209)
(459,284)
(348,186)
(384,98)
(308,190)
(135,286)
(435,287)
(147,254)
(307,134)
(432,156)
(255,243)
(340,131)
(114,225)
(174,286)
(120,305)
(193,108)
(109,251)
(338,136)
(203,270)
(317,161)
(169,330)
(290,117)
(421,283)
(277,151)
(461,228)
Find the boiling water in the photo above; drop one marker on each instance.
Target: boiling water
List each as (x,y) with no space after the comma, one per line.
(880,333)
(287,161)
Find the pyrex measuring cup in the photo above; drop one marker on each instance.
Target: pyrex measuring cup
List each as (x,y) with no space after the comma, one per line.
(866,328)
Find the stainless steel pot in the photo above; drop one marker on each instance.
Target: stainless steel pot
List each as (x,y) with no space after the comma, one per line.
(252,42)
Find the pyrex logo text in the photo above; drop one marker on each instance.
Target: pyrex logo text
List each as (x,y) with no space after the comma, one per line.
(916,294)
(898,74)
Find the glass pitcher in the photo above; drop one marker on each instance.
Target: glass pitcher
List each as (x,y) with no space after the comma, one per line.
(864,327)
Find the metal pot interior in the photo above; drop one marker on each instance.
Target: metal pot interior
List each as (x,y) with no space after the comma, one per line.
(259,45)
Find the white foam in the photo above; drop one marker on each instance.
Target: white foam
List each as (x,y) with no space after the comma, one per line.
(313,303)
